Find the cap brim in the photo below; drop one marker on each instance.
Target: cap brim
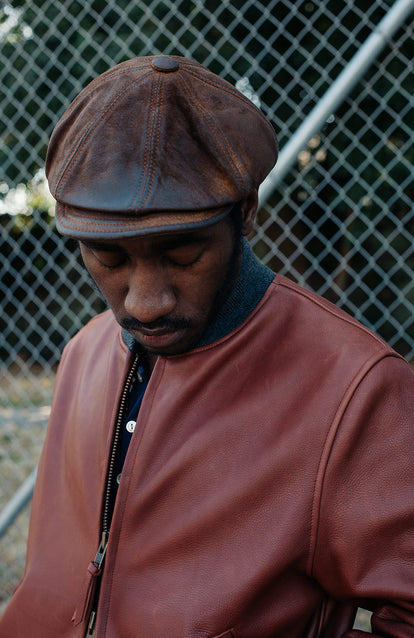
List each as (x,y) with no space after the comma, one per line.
(91,224)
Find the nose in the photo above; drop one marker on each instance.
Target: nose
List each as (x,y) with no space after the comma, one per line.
(150,295)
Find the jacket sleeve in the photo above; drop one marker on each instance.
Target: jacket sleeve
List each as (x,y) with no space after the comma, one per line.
(363,535)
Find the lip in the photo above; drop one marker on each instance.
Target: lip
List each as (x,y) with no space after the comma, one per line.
(158,339)
(155,332)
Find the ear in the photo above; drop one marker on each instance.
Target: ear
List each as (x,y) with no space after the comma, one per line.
(249,210)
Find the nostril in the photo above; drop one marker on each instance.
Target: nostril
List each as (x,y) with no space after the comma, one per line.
(149,304)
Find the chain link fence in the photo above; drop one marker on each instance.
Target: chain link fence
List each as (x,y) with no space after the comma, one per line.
(340,221)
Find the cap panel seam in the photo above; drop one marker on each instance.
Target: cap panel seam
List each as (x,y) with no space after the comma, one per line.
(142,176)
(94,84)
(85,135)
(151,146)
(220,138)
(234,93)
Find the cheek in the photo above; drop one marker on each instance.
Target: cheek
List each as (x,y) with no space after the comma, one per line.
(90,263)
(113,290)
(109,287)
(199,293)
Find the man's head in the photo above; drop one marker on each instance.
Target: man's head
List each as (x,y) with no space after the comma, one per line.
(165,289)
(155,154)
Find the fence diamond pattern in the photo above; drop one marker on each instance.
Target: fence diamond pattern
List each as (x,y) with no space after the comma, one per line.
(341,222)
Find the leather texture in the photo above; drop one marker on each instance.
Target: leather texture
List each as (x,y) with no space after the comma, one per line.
(267,491)
(145,150)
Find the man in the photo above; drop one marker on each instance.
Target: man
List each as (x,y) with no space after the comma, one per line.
(228,454)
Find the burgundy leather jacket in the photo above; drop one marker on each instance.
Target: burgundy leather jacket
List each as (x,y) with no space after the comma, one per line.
(268,489)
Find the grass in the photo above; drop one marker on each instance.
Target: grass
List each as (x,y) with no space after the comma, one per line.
(25,387)
(24,410)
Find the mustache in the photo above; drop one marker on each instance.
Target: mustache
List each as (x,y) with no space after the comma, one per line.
(163,323)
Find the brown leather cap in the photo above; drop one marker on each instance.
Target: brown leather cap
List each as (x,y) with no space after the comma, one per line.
(155,144)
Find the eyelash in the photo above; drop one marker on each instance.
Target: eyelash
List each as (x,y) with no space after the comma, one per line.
(169,260)
(111,267)
(186,265)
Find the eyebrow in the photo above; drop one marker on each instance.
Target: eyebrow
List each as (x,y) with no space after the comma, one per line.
(95,245)
(164,242)
(187,239)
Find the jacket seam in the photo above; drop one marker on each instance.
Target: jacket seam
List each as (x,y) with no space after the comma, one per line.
(331,309)
(327,448)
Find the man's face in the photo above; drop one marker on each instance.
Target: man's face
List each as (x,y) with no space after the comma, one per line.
(165,289)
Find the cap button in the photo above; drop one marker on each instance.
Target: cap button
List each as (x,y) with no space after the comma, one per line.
(165,64)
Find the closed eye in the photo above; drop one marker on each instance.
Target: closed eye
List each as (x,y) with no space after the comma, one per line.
(111,261)
(108,256)
(184,256)
(182,251)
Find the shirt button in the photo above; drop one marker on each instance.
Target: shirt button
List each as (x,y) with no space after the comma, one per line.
(130,426)
(118,478)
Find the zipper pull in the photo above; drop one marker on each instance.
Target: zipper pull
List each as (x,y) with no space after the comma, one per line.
(87,596)
(100,554)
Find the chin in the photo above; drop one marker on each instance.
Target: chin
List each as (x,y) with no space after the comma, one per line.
(172,350)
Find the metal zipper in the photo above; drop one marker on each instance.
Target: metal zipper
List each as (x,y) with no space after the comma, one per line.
(106,520)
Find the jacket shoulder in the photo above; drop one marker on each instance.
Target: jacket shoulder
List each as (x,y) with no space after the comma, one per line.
(98,329)
(323,323)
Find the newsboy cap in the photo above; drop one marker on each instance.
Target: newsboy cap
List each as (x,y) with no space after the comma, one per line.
(155,144)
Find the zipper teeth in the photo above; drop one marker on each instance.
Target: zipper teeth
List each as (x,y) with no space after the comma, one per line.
(105,517)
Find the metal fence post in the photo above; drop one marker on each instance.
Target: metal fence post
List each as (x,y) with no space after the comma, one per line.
(336,94)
